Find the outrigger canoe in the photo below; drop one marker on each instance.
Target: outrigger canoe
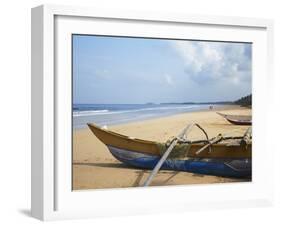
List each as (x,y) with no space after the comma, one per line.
(220,159)
(237,119)
(218,150)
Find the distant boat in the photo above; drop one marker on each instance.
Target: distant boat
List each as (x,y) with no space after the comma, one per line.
(218,160)
(237,119)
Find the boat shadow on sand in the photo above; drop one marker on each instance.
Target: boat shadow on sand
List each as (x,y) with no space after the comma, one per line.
(141,174)
(106,165)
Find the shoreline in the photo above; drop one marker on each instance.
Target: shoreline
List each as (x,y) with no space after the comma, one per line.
(217,108)
(95,168)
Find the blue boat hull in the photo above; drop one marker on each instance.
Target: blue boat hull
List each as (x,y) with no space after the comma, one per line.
(240,168)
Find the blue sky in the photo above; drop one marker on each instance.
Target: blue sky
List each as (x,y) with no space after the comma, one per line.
(115,70)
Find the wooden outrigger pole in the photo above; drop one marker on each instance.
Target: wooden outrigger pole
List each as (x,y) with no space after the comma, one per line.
(181,136)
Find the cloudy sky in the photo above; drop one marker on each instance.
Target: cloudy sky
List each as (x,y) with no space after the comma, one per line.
(135,70)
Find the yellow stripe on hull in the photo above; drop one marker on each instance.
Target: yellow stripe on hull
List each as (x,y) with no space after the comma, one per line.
(152,148)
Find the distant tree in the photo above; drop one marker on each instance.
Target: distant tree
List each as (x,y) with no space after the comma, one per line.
(245,101)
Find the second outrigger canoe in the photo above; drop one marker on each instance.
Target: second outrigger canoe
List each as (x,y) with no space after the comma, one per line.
(237,119)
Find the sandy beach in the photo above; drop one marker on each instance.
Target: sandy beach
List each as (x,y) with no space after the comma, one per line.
(95,168)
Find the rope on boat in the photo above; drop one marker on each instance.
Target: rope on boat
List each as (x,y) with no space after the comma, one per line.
(183,133)
(182,139)
(184,144)
(245,140)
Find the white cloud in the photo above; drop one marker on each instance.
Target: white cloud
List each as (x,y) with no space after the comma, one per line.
(169,79)
(212,61)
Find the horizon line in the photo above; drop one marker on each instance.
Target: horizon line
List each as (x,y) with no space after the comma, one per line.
(191,102)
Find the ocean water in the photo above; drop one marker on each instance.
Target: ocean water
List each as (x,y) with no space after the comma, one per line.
(113,114)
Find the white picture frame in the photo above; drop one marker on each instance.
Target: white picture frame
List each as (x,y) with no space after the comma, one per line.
(52,197)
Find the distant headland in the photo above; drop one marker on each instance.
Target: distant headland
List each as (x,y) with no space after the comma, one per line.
(243,101)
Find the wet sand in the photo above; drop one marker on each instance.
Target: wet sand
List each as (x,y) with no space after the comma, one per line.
(95,168)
